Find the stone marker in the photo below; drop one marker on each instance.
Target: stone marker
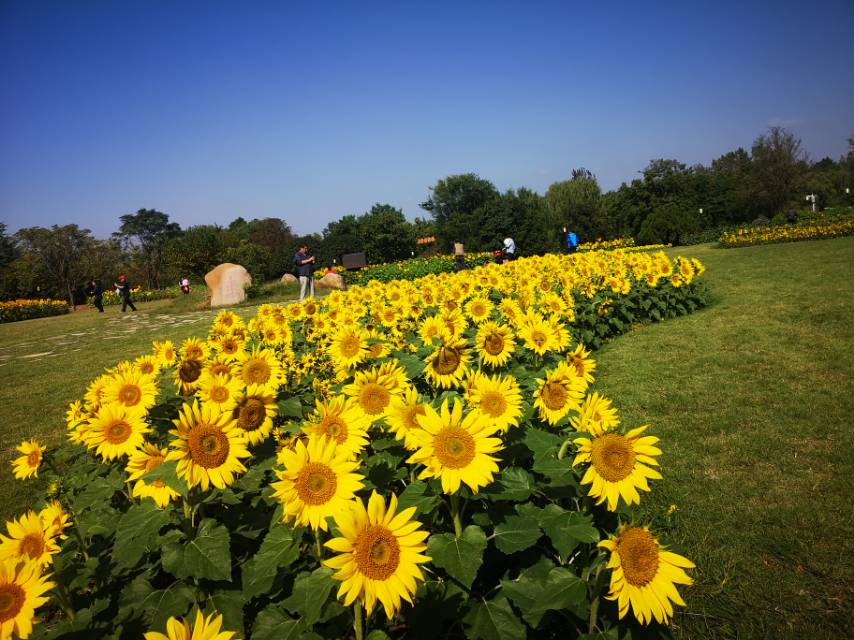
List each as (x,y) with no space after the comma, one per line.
(331,280)
(227,283)
(289,278)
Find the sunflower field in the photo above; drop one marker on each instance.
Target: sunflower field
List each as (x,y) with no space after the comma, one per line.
(414,269)
(751,236)
(415,459)
(15,310)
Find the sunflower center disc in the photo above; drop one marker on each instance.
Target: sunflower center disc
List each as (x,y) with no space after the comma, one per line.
(229,347)
(377,552)
(335,429)
(374,398)
(251,415)
(447,361)
(411,419)
(493,404)
(638,556)
(219,394)
(257,371)
(554,395)
(34,458)
(32,545)
(118,432)
(208,446)
(494,344)
(455,447)
(350,346)
(190,370)
(539,338)
(12,599)
(316,483)
(130,395)
(613,457)
(146,367)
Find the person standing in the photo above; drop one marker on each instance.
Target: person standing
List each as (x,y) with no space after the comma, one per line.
(97,292)
(303,263)
(509,248)
(123,286)
(185,285)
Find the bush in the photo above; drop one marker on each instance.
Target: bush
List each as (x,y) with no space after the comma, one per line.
(665,225)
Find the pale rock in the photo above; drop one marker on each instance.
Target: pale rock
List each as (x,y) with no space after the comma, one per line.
(331,280)
(227,283)
(289,278)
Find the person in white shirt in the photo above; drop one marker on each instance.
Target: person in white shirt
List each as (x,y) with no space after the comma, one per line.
(509,248)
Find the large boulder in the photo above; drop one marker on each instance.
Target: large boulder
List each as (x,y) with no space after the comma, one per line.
(227,283)
(289,278)
(331,280)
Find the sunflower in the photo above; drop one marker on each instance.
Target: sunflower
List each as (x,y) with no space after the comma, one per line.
(478,309)
(556,395)
(227,346)
(203,628)
(340,420)
(431,327)
(187,375)
(378,554)
(193,349)
(644,575)
(618,465)
(131,389)
(27,465)
(349,347)
(456,449)
(143,460)
(538,335)
(148,365)
(448,364)
(584,365)
(29,540)
(22,588)
(209,446)
(596,415)
(219,389)
(260,367)
(95,392)
(115,431)
(454,321)
(318,481)
(494,344)
(373,390)
(164,352)
(54,518)
(403,415)
(496,400)
(254,412)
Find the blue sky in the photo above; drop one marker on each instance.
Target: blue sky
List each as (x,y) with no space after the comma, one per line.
(311,111)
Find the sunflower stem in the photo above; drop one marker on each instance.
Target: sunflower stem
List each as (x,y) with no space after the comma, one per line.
(594,611)
(456,516)
(562,452)
(318,547)
(357,620)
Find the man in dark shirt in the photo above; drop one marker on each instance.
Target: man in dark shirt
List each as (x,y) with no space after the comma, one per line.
(97,292)
(305,270)
(124,289)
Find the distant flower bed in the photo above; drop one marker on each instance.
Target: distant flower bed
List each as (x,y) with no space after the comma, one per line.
(15,310)
(747,237)
(415,268)
(606,245)
(142,295)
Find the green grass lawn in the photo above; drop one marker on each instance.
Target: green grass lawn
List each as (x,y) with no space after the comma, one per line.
(751,398)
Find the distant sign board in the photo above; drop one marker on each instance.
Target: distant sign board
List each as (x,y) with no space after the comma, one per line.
(353,261)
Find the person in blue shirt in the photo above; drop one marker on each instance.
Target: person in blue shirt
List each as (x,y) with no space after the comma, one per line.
(571,242)
(305,271)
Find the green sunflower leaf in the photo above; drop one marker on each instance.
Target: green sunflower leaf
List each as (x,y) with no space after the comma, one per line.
(137,532)
(413,365)
(290,407)
(311,590)
(167,473)
(274,624)
(517,533)
(279,549)
(418,495)
(460,557)
(536,594)
(207,555)
(513,483)
(493,620)
(567,529)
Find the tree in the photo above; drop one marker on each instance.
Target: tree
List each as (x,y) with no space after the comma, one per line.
(386,234)
(198,250)
(61,251)
(576,204)
(148,231)
(456,204)
(779,165)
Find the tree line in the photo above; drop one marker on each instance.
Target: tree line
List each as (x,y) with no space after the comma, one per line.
(667,201)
